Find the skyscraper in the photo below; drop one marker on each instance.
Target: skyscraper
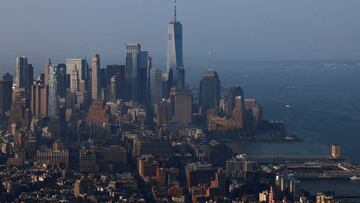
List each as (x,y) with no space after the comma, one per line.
(24,74)
(119,72)
(29,78)
(62,80)
(209,91)
(233,93)
(20,113)
(253,113)
(39,96)
(83,71)
(95,77)
(5,95)
(74,78)
(163,112)
(238,111)
(81,65)
(21,70)
(175,51)
(46,71)
(114,88)
(55,110)
(165,86)
(155,87)
(136,73)
(181,105)
(53,106)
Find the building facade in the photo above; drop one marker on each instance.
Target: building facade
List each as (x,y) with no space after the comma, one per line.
(20,112)
(95,78)
(5,95)
(24,75)
(117,71)
(209,91)
(136,73)
(181,105)
(53,105)
(175,63)
(155,87)
(39,99)
(163,113)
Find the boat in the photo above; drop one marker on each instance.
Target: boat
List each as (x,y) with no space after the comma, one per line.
(355,178)
(324,176)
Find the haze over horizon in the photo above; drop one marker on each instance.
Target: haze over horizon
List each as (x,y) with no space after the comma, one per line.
(243,30)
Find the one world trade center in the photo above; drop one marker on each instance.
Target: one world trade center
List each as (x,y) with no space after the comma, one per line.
(175,66)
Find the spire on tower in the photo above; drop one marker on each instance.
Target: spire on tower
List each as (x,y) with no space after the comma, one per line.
(48,61)
(175,11)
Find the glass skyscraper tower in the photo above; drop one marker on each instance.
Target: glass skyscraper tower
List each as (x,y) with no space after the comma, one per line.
(209,91)
(53,108)
(175,66)
(136,73)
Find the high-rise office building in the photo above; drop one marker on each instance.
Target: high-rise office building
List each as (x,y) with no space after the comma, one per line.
(180,77)
(20,113)
(155,87)
(112,70)
(181,105)
(74,84)
(175,52)
(119,72)
(114,88)
(163,112)
(46,71)
(165,85)
(29,78)
(62,77)
(95,78)
(238,111)
(233,93)
(24,74)
(209,91)
(81,65)
(53,106)
(83,71)
(21,70)
(5,95)
(56,111)
(253,113)
(103,91)
(136,73)
(39,97)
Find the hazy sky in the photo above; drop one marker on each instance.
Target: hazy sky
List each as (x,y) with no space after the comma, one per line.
(232,29)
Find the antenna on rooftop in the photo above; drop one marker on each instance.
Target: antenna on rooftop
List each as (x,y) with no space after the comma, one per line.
(175,11)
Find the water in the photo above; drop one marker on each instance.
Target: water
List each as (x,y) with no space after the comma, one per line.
(324,100)
(341,187)
(323,96)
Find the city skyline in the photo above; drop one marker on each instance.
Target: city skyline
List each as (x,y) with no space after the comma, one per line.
(313,36)
(90,129)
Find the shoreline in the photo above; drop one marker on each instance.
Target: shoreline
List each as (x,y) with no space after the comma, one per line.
(282,138)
